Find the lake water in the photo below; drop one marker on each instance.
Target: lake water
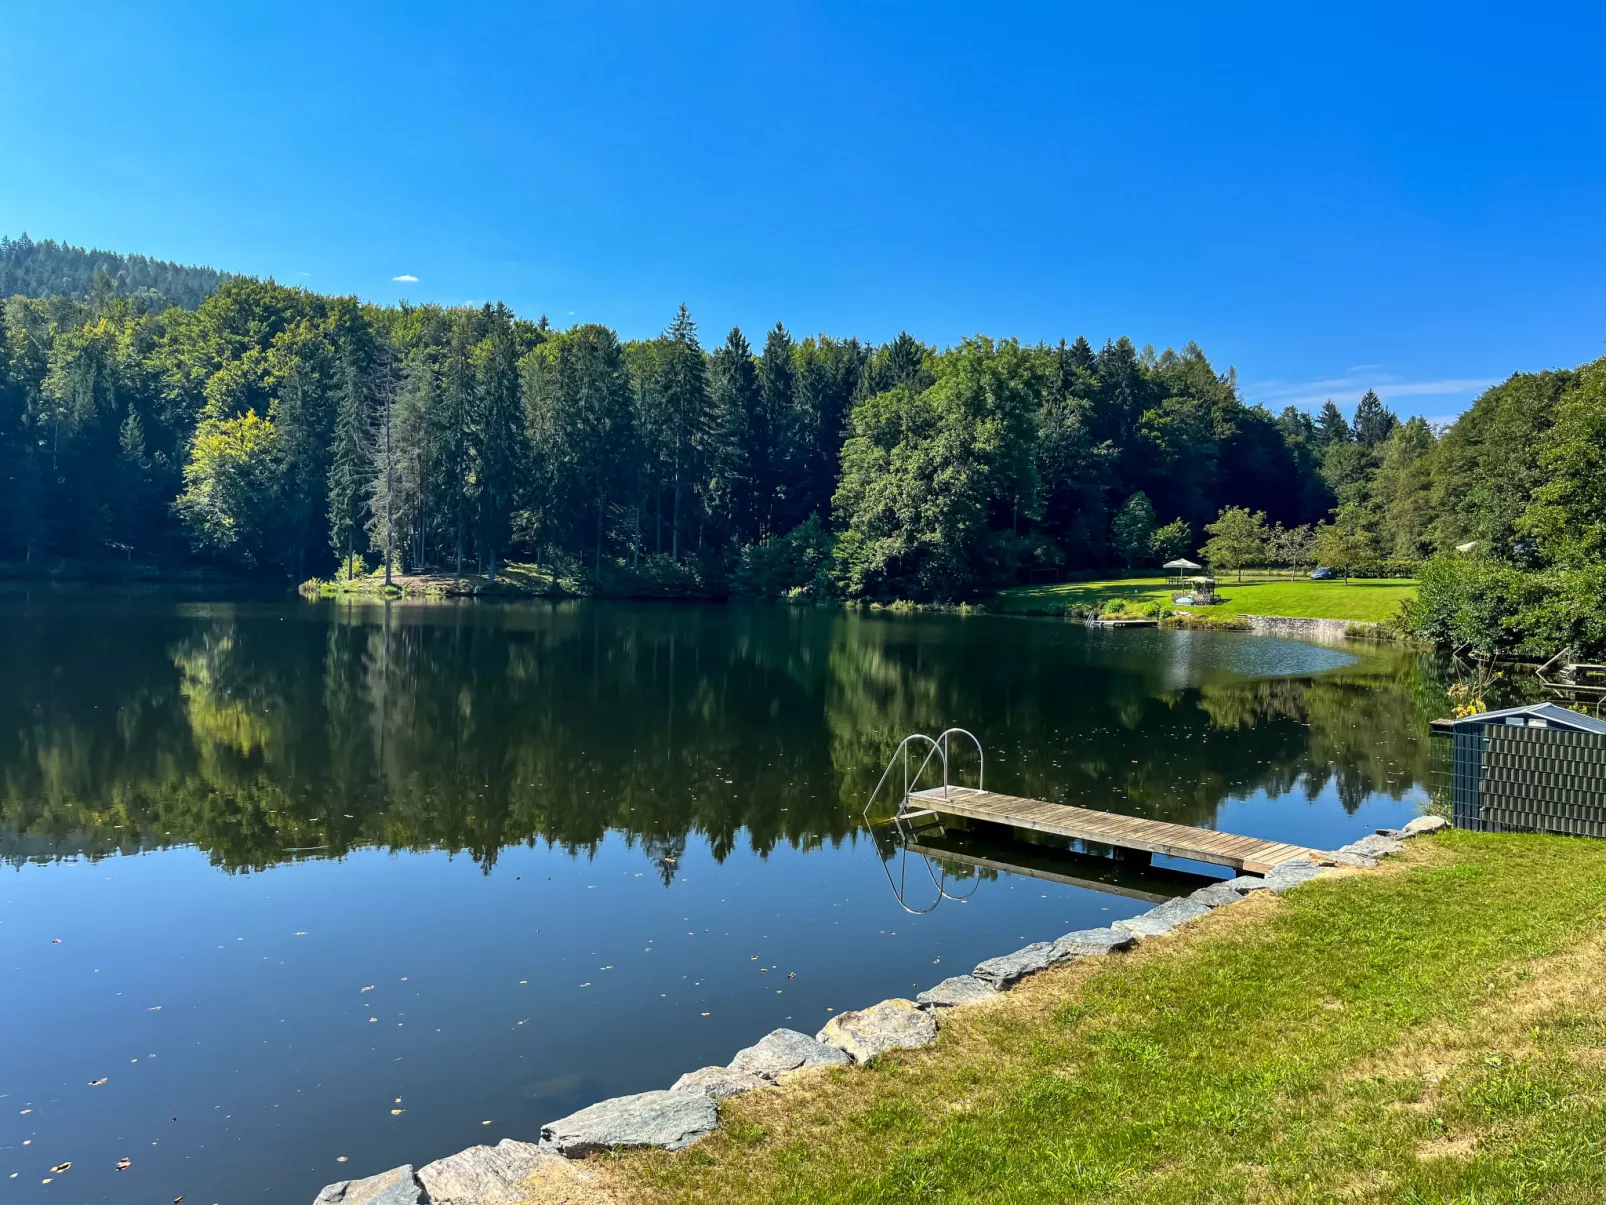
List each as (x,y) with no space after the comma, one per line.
(292,882)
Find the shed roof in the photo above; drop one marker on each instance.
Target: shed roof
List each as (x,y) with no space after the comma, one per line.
(1553,714)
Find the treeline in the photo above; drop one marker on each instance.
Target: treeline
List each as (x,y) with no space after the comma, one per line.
(1513,499)
(284,432)
(49,268)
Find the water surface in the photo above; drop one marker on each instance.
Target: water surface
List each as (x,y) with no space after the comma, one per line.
(310,881)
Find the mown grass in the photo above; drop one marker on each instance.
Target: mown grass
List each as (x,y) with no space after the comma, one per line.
(1430,1032)
(1361,599)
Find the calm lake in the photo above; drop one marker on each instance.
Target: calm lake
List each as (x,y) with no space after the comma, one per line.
(287,883)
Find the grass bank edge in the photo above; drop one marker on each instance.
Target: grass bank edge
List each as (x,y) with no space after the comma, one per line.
(1425,1028)
(1360,600)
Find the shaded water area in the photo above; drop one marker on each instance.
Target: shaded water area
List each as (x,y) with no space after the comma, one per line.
(303,881)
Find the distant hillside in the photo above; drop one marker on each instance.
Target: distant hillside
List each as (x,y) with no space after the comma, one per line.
(45,268)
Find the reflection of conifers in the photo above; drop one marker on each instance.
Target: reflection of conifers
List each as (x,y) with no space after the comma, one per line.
(263,740)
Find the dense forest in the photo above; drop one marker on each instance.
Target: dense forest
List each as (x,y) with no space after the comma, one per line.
(171,415)
(49,268)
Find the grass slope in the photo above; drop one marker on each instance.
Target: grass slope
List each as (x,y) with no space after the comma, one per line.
(1364,599)
(1429,1032)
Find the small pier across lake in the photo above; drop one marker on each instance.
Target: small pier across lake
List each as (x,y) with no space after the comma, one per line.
(1125,833)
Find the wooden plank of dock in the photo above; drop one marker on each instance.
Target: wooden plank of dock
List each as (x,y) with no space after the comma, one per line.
(1249,854)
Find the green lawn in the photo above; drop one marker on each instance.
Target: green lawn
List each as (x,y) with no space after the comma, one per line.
(1432,1031)
(1366,599)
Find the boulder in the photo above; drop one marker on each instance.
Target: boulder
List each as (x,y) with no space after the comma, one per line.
(1245,883)
(1372,845)
(1008,969)
(784,1050)
(1424,824)
(960,989)
(670,1120)
(1290,874)
(398,1186)
(1163,918)
(1348,857)
(718,1082)
(491,1175)
(1216,895)
(891,1025)
(1086,942)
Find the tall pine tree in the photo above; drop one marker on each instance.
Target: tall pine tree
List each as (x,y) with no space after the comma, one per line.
(349,461)
(500,450)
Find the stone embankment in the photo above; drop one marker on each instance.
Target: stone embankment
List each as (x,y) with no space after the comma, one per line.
(552,1171)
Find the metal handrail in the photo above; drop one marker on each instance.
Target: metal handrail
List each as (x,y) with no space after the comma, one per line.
(902,750)
(939,749)
(981,768)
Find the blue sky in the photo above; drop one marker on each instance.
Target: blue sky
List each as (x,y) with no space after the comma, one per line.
(1391,196)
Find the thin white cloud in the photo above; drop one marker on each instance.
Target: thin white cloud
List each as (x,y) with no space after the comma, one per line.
(406,278)
(1346,391)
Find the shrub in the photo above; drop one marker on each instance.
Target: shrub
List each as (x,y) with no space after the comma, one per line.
(796,566)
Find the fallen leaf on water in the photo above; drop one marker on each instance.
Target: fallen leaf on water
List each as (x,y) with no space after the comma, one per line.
(123,1164)
(60,1167)
(95,1083)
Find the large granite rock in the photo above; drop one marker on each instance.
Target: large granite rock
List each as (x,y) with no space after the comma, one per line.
(1163,918)
(961,989)
(718,1082)
(1009,969)
(783,1050)
(1373,845)
(494,1175)
(670,1120)
(1084,943)
(1216,895)
(891,1025)
(1348,857)
(395,1187)
(1291,874)
(1424,824)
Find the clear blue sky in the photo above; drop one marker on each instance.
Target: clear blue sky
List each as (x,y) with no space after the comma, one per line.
(1328,200)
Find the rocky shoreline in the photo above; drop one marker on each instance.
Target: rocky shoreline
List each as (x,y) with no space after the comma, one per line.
(552,1169)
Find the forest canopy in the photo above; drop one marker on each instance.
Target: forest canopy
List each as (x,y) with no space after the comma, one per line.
(178,415)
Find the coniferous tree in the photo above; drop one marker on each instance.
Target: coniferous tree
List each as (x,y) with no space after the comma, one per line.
(736,400)
(682,403)
(500,452)
(450,466)
(1374,422)
(772,450)
(350,461)
(1331,427)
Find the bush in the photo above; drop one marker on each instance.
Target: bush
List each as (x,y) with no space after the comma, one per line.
(1493,608)
(796,566)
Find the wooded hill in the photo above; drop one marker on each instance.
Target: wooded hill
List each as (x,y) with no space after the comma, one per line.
(279,430)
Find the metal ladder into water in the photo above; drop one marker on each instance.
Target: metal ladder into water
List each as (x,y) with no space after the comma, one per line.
(906,819)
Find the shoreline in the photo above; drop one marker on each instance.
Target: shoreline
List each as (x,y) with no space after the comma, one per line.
(782,1064)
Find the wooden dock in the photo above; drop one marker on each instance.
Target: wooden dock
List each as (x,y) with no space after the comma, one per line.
(1249,854)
